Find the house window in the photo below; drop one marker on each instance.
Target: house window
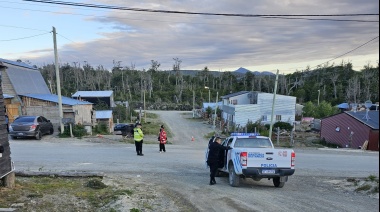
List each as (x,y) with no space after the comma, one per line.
(234,102)
(278,117)
(264,118)
(252,98)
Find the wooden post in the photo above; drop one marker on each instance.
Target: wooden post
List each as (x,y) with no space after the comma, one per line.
(71,130)
(9,180)
(278,136)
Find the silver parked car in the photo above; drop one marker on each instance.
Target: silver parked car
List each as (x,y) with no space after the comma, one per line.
(30,126)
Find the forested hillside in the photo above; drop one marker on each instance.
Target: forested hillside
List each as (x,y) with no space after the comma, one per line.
(174,89)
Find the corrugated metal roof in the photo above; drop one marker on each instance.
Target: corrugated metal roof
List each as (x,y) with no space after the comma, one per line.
(26,80)
(234,94)
(7,96)
(17,64)
(103,114)
(92,94)
(54,98)
(373,120)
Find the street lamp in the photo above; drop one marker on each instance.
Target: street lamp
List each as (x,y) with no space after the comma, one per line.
(319,92)
(209,94)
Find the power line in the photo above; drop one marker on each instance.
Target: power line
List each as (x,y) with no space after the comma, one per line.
(136,19)
(25,37)
(309,19)
(349,51)
(66,38)
(186,13)
(321,19)
(24,28)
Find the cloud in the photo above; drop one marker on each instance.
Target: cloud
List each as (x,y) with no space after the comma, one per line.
(226,42)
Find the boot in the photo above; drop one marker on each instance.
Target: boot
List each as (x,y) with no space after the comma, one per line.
(212,182)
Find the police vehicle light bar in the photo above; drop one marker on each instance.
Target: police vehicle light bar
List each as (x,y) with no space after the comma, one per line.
(245,134)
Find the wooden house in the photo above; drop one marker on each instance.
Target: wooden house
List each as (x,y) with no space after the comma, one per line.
(96,97)
(105,117)
(352,129)
(27,93)
(19,78)
(6,165)
(80,112)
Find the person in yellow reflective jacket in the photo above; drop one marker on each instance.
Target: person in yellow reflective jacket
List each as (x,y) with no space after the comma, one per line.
(138,136)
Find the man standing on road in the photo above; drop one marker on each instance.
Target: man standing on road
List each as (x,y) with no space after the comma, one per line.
(138,136)
(213,157)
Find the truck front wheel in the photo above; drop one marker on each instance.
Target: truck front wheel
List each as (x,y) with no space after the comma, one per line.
(234,179)
(277,183)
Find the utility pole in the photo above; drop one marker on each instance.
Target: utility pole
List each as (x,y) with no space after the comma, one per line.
(193,104)
(144,108)
(216,108)
(58,81)
(274,101)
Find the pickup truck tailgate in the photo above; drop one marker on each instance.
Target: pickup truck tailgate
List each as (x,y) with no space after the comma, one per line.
(269,158)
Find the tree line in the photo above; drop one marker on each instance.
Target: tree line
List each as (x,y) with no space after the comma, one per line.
(175,89)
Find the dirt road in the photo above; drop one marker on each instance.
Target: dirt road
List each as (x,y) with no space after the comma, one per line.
(178,179)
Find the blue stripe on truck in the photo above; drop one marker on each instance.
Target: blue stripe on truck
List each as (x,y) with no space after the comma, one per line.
(237,164)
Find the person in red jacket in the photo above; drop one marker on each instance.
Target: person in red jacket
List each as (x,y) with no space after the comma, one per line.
(162,139)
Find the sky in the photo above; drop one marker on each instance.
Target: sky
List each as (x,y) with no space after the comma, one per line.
(102,37)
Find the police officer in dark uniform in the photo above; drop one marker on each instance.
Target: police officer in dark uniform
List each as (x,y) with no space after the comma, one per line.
(213,157)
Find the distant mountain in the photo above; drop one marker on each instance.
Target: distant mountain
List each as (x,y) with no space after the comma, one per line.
(242,70)
(266,73)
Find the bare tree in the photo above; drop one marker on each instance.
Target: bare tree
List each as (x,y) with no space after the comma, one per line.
(353,89)
(179,78)
(334,77)
(368,78)
(296,83)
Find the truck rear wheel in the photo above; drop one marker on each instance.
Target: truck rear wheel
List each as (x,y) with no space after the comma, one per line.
(277,183)
(234,179)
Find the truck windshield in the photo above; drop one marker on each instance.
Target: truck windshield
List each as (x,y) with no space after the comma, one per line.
(253,143)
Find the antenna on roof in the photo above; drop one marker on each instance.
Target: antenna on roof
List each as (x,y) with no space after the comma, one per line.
(367,104)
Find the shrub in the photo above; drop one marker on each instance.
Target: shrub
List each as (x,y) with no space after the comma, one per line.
(101,128)
(283,126)
(260,128)
(364,187)
(371,178)
(78,131)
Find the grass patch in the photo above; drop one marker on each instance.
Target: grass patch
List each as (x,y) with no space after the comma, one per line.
(209,135)
(53,194)
(364,187)
(325,144)
(372,178)
(152,115)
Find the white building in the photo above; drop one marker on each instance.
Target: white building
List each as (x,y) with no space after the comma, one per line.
(241,107)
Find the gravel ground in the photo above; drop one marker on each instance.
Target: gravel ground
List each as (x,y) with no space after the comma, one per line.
(178,180)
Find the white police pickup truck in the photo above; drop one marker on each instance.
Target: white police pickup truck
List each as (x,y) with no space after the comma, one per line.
(255,157)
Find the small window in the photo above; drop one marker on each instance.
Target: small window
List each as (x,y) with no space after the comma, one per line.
(278,117)
(264,118)
(234,102)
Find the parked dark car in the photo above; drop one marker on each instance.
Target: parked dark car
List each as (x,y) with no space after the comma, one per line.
(123,129)
(30,126)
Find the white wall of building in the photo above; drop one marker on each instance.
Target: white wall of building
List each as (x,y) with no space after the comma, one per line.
(284,109)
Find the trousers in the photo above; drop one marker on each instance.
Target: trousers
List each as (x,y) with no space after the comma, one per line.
(213,170)
(138,145)
(162,147)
